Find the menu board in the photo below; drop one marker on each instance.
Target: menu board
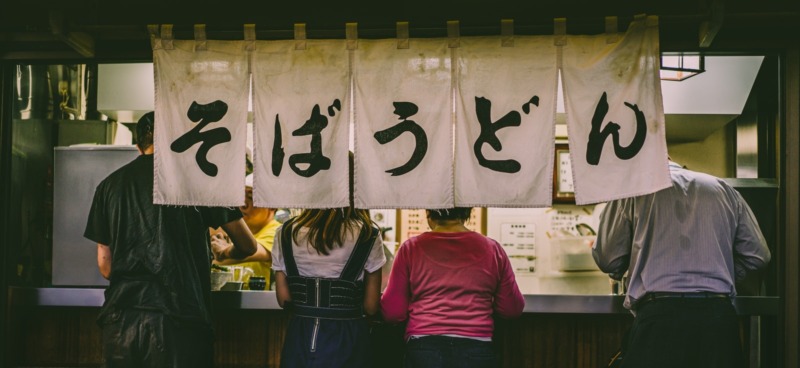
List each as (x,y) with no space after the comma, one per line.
(414,222)
(523,264)
(564,164)
(519,241)
(563,185)
(563,220)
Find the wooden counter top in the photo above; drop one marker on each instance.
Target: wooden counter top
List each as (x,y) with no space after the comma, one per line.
(265,300)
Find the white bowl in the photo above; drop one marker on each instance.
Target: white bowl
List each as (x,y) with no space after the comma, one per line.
(220,278)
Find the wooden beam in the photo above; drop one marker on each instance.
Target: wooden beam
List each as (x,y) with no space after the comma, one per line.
(710,28)
(39,55)
(792,211)
(82,43)
(21,37)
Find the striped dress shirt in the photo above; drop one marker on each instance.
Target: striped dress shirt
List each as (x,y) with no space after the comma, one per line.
(697,236)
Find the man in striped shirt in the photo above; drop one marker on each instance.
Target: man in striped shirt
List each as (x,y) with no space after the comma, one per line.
(683,248)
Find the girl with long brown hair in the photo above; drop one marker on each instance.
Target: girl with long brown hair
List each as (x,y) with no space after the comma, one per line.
(327,266)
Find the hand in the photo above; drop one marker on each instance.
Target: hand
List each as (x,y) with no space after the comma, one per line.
(219,245)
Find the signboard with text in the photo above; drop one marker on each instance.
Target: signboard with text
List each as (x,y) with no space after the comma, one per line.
(434,125)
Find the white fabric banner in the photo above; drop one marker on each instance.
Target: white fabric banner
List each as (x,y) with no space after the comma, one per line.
(505,108)
(615,114)
(403,124)
(200,123)
(301,124)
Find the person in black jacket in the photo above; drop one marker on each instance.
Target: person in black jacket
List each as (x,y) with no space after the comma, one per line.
(157,260)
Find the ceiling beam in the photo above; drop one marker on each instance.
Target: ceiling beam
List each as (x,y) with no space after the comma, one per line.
(710,28)
(81,42)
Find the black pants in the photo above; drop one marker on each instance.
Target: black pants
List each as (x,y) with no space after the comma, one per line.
(326,343)
(144,339)
(449,352)
(684,332)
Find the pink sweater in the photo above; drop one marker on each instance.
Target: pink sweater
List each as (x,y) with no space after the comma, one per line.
(451,283)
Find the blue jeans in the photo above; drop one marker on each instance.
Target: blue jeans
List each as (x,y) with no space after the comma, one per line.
(449,352)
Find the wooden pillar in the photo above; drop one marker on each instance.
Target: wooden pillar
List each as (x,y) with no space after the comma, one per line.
(791,192)
(6,88)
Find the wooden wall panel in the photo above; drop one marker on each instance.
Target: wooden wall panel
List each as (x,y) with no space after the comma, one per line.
(249,338)
(560,340)
(69,337)
(49,337)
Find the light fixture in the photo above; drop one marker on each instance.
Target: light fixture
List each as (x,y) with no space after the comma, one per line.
(679,66)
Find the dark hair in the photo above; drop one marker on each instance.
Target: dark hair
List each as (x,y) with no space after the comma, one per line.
(144,130)
(457,213)
(351,168)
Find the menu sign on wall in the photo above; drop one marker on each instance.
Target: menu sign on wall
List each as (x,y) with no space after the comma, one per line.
(518,239)
(411,223)
(519,242)
(563,221)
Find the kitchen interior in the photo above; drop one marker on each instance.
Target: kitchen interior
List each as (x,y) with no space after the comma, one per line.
(72,125)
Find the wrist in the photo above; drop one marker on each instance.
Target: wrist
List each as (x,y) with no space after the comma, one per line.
(233,253)
(223,255)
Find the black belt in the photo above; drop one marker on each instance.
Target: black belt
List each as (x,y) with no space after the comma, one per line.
(327,312)
(649,297)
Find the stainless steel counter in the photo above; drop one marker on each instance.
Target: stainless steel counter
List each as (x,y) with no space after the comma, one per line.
(265,300)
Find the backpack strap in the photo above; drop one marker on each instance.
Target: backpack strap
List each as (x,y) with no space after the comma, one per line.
(358,258)
(286,247)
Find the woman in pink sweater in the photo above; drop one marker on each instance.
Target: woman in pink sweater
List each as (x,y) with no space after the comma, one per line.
(448,283)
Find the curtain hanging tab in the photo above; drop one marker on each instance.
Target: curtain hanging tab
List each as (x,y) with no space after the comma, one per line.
(250,37)
(166,36)
(402,35)
(453,34)
(507,32)
(155,38)
(200,42)
(652,21)
(351,33)
(612,30)
(300,36)
(560,31)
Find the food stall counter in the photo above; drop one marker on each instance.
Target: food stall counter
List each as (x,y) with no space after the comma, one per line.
(266,300)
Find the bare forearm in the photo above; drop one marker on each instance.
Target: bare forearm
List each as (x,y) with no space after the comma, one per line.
(282,289)
(235,254)
(104,260)
(372,292)
(244,244)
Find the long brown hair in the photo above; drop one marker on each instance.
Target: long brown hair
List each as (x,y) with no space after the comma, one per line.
(327,228)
